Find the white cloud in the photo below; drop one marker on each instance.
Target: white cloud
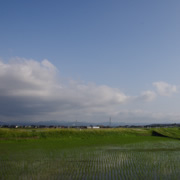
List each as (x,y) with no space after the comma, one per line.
(28,87)
(165,89)
(34,91)
(23,77)
(147,96)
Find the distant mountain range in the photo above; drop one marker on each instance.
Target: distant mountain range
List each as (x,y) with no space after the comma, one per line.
(76,123)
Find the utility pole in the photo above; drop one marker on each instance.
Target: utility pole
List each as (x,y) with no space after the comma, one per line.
(110,122)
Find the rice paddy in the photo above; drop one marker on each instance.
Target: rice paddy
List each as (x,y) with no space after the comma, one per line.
(119,156)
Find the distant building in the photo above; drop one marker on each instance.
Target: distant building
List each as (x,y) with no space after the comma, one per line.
(95,127)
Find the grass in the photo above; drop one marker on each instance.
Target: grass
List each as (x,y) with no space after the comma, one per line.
(57,133)
(168,132)
(89,154)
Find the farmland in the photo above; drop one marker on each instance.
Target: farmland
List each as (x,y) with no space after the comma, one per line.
(122,153)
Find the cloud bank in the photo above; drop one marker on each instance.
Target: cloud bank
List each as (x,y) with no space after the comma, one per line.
(34,91)
(28,87)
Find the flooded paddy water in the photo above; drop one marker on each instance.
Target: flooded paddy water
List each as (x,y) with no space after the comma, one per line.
(133,161)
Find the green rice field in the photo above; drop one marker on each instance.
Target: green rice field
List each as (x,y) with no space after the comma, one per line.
(90,154)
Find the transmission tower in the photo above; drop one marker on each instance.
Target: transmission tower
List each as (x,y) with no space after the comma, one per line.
(110,122)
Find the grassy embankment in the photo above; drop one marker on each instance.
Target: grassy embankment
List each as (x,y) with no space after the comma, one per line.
(76,137)
(102,136)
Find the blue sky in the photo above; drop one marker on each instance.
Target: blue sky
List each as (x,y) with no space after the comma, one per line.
(128,48)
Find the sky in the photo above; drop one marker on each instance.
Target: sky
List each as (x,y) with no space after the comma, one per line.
(90,60)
